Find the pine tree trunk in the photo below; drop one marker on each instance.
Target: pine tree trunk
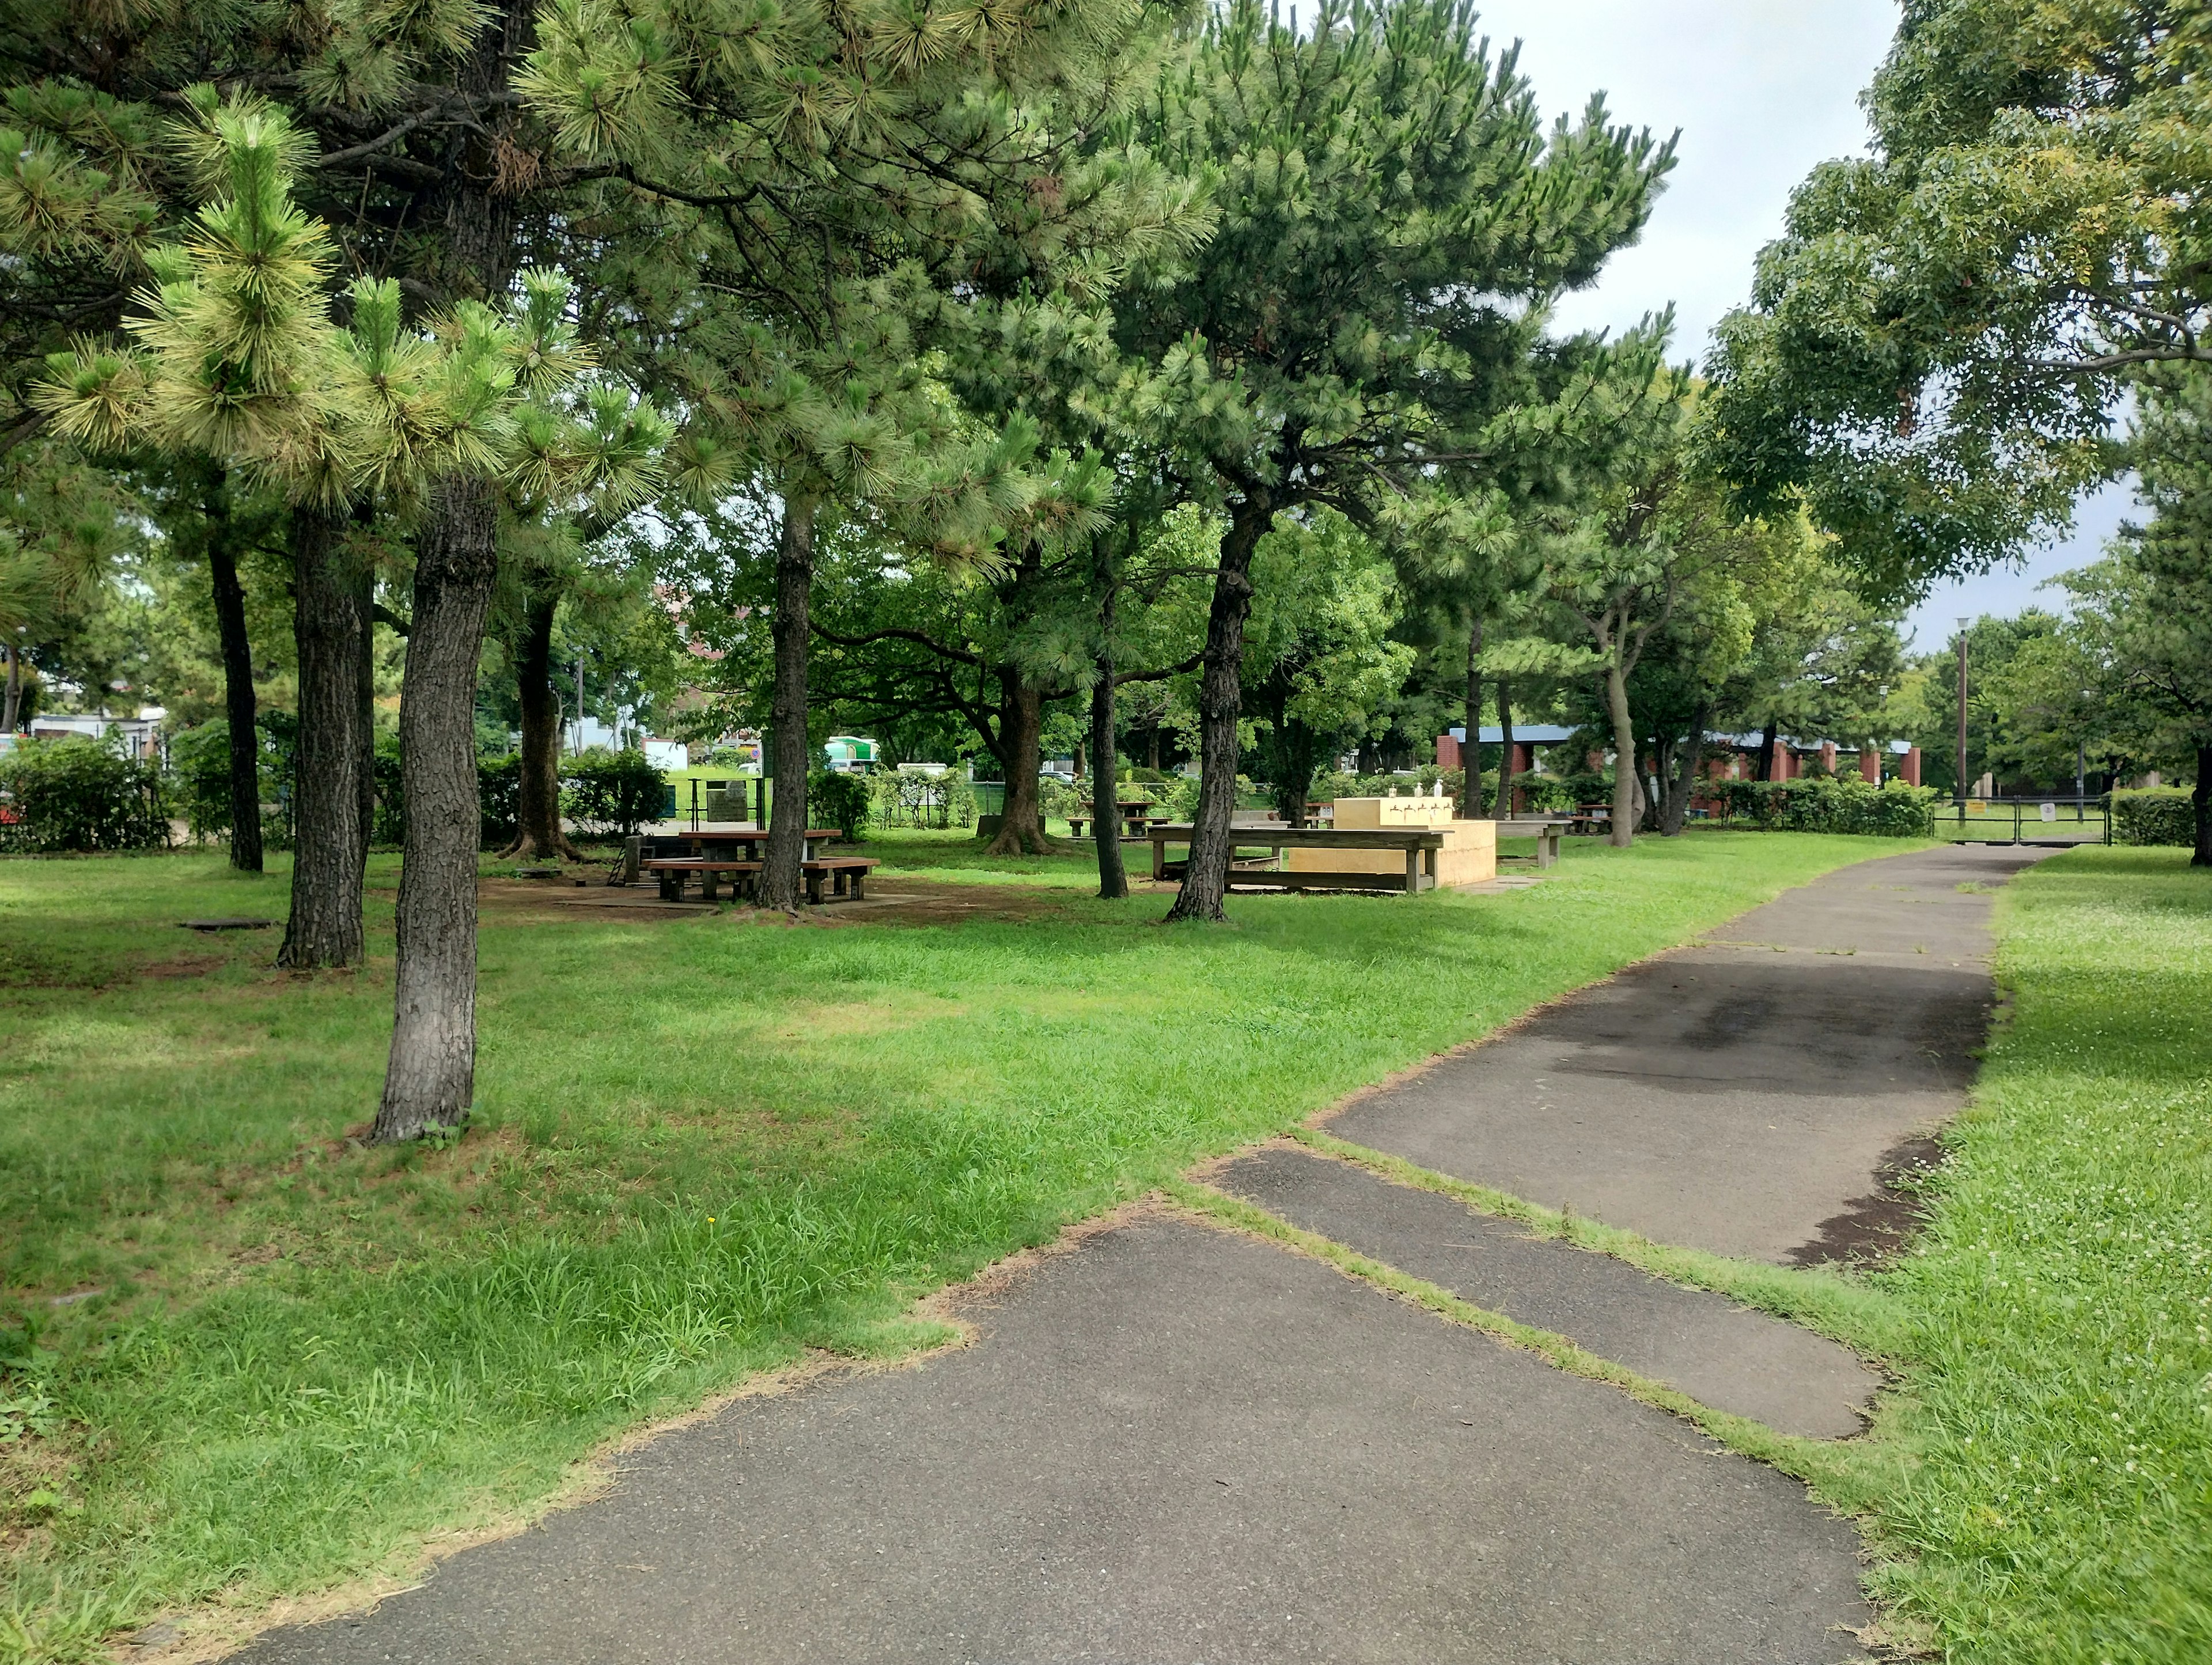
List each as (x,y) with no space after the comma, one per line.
(1021,750)
(1220,700)
(1766,750)
(781,884)
(237,700)
(430,1082)
(1470,754)
(1625,793)
(14,695)
(1505,750)
(1106,815)
(325,928)
(2202,800)
(537,835)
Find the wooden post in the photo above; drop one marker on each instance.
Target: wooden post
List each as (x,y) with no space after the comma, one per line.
(1412,869)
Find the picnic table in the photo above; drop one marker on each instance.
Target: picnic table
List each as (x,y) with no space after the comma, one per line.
(1420,846)
(1544,828)
(1135,828)
(1590,818)
(701,839)
(1138,816)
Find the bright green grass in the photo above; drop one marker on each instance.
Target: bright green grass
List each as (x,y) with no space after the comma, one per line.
(305,1355)
(2060,1414)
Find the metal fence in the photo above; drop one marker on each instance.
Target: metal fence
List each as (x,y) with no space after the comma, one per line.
(2051,820)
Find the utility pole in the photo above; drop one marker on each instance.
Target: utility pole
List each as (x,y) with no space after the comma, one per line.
(1962,709)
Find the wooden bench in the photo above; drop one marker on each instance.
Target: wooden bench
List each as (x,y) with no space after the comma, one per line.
(847,876)
(673,870)
(1418,846)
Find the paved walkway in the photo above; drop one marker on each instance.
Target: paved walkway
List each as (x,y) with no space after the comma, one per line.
(1173,1443)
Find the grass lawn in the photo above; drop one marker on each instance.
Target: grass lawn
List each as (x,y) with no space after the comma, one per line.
(702,1143)
(2057,1505)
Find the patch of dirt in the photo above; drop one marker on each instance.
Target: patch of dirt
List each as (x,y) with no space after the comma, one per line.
(182,965)
(909,901)
(899,901)
(1878,1225)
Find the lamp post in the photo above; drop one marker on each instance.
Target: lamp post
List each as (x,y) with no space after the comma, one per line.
(1963,622)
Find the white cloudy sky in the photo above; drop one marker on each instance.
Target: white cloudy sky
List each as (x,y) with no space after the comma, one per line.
(1761,90)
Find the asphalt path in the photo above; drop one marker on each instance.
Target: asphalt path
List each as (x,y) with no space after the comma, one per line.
(1745,1094)
(1168,1442)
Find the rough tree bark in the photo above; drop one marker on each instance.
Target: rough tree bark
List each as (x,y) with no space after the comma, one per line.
(1020,752)
(325,927)
(1626,807)
(1505,750)
(537,835)
(237,700)
(430,1082)
(1766,739)
(1220,698)
(12,713)
(1106,823)
(780,883)
(2201,799)
(1470,754)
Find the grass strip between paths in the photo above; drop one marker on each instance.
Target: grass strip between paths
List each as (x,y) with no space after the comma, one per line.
(1838,1473)
(1829,1303)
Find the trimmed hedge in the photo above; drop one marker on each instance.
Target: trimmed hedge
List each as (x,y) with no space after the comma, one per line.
(79,794)
(2155,815)
(1894,811)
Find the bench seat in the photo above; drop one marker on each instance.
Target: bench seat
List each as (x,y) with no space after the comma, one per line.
(671,871)
(847,876)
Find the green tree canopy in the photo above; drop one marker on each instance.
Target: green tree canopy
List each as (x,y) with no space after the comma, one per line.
(1937,343)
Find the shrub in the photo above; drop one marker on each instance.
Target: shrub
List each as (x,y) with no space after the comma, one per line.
(1057,799)
(839,800)
(78,794)
(499,800)
(1833,805)
(199,777)
(611,794)
(499,787)
(2157,815)
(389,824)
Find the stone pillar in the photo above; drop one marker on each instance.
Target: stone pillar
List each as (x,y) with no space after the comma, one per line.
(1911,769)
(1785,762)
(1829,756)
(1870,766)
(1447,752)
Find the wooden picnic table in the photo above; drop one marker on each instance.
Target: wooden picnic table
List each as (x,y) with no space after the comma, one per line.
(1136,823)
(700,839)
(1420,846)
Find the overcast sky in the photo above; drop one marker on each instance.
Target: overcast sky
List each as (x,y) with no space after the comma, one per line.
(1761,90)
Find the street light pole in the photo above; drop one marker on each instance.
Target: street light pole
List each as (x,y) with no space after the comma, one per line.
(1962,710)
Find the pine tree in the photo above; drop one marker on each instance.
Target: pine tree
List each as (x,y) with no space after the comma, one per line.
(1393,216)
